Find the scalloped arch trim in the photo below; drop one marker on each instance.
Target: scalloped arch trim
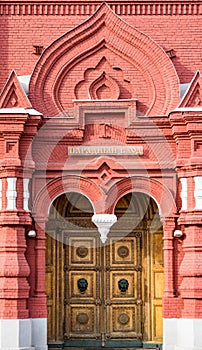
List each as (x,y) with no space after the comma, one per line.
(61,185)
(153,188)
(145,64)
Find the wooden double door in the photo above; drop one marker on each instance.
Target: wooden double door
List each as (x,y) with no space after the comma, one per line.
(104,295)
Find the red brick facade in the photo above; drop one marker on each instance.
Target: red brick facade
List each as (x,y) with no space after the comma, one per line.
(110,74)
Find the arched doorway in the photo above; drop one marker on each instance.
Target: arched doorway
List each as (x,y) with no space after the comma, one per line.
(104,295)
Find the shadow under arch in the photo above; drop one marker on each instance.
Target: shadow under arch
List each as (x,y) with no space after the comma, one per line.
(67,202)
(70,211)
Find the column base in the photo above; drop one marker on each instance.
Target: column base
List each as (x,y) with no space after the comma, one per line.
(182,334)
(39,333)
(23,334)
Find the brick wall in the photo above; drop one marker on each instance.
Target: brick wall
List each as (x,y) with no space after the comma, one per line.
(171,30)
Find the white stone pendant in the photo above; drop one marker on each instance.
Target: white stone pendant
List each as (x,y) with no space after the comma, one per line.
(104,222)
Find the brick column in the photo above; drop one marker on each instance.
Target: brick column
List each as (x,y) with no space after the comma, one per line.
(38,301)
(191,272)
(171,303)
(15,324)
(168,229)
(191,266)
(14,270)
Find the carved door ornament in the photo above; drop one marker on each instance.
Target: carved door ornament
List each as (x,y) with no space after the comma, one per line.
(82,251)
(123,285)
(82,284)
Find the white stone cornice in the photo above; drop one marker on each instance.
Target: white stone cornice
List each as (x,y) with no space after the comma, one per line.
(29,111)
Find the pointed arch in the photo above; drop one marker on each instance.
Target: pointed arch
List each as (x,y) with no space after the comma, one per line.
(56,73)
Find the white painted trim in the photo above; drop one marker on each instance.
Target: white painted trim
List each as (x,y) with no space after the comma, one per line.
(11,193)
(198,192)
(183,193)
(25,194)
(187,109)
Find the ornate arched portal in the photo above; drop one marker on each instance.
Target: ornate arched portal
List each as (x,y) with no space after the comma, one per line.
(104,295)
(98,80)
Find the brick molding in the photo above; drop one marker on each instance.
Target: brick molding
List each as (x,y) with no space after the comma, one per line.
(120,8)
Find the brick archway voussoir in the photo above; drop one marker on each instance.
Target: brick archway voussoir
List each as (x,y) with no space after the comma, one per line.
(151,187)
(70,183)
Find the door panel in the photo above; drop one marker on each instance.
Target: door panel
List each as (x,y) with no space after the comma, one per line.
(123,264)
(157,283)
(81,251)
(82,287)
(55,287)
(102,295)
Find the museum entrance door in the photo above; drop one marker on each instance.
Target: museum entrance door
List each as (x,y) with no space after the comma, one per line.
(103,295)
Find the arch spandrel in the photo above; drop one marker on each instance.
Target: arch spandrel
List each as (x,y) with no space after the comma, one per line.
(63,64)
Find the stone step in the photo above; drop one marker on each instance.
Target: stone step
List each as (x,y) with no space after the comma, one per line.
(92,348)
(73,348)
(148,347)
